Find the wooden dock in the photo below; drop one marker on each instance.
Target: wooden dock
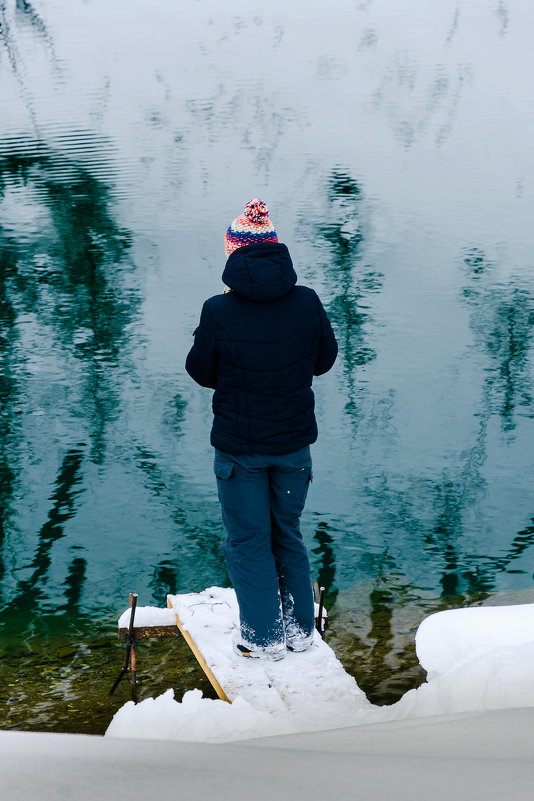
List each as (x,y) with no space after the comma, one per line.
(314,682)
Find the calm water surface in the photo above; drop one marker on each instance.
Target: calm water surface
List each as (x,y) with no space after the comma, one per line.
(395,151)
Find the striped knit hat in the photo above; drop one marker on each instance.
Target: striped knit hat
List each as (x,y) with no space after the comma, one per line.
(251,228)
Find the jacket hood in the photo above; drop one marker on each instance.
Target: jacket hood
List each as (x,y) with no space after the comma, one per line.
(260,272)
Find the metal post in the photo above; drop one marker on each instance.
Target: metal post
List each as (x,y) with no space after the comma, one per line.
(130,652)
(320,613)
(131,638)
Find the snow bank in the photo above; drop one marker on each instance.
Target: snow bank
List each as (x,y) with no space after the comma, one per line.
(499,679)
(194,719)
(477,659)
(448,639)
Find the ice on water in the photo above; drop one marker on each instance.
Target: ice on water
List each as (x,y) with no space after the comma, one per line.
(478,658)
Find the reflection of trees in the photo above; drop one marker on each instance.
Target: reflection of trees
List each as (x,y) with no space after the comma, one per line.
(31,590)
(8,417)
(174,414)
(522,541)
(200,536)
(341,230)
(502,321)
(164,580)
(441,539)
(373,632)
(324,564)
(13,15)
(503,17)
(24,13)
(422,99)
(374,623)
(65,274)
(71,280)
(374,626)
(74,584)
(462,573)
(428,521)
(425,520)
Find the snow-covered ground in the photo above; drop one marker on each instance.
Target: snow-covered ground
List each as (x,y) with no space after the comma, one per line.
(466,734)
(477,659)
(476,757)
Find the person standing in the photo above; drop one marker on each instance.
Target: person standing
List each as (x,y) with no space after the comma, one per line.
(258,345)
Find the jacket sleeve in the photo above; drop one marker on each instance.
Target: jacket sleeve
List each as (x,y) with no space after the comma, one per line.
(201,362)
(327,350)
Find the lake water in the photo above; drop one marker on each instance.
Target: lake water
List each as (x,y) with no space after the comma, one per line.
(393,144)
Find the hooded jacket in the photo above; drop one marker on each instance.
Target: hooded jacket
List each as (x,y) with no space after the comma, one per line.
(259,347)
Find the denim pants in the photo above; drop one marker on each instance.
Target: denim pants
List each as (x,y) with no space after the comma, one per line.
(262,498)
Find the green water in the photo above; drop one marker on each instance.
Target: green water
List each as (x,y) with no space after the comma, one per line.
(394,150)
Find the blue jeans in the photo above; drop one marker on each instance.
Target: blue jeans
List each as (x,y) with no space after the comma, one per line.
(262,498)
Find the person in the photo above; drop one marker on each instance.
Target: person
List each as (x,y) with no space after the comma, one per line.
(258,345)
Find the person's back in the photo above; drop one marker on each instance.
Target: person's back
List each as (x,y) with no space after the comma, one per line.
(269,337)
(258,345)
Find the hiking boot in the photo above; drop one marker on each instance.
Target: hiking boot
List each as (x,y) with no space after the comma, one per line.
(299,644)
(268,654)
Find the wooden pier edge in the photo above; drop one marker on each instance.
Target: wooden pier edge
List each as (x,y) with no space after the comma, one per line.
(200,659)
(147,632)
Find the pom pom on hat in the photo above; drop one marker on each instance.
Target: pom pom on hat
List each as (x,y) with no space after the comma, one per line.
(251,227)
(257,211)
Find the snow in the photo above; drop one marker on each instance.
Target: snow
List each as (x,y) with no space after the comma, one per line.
(156,616)
(302,692)
(478,659)
(195,719)
(479,756)
(449,639)
(148,616)
(307,687)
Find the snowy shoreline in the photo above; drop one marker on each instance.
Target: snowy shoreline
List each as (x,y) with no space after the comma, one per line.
(479,755)
(477,659)
(467,733)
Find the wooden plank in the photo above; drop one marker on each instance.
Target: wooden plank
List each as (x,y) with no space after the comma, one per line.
(311,688)
(200,659)
(145,632)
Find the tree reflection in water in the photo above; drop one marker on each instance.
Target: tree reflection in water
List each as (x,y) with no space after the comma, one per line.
(434,519)
(324,562)
(9,419)
(30,593)
(338,225)
(502,321)
(71,278)
(13,17)
(66,275)
(341,229)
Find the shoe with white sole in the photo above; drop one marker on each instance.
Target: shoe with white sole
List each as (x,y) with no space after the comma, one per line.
(269,654)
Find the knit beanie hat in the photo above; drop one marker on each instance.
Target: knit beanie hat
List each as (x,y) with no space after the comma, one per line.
(251,228)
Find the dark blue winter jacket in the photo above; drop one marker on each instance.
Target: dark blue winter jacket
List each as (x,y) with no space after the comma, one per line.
(259,347)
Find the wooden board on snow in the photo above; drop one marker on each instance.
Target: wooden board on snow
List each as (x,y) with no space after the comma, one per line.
(313,682)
